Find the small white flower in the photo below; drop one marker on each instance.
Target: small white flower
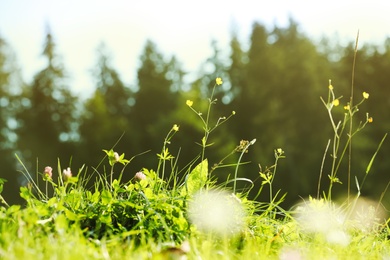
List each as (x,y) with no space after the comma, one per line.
(67,173)
(116,156)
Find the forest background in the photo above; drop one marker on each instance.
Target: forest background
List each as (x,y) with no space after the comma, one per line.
(274,87)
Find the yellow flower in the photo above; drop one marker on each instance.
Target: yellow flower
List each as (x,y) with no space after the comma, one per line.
(330,85)
(233,112)
(347,107)
(218,81)
(175,127)
(336,102)
(189,103)
(370,120)
(365,95)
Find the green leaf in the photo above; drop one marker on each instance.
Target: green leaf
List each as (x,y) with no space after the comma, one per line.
(71,215)
(1,184)
(105,218)
(373,157)
(196,179)
(106,197)
(111,156)
(95,197)
(25,193)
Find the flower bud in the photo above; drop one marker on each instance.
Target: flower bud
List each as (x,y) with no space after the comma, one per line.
(66,174)
(47,174)
(139,176)
(116,157)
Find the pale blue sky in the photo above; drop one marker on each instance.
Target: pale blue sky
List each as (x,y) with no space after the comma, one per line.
(184,28)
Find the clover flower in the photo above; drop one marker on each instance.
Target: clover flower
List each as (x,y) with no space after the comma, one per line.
(116,157)
(139,176)
(48,173)
(67,174)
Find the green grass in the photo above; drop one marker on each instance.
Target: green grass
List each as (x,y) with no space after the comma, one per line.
(171,213)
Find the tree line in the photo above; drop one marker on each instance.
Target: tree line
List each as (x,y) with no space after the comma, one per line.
(274,86)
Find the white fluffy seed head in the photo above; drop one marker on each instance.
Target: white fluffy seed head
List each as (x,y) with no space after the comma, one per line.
(216,212)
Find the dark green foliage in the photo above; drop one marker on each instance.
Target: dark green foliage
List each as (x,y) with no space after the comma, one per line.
(134,210)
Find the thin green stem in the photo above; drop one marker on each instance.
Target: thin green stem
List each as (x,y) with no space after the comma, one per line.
(111,176)
(207,130)
(321,170)
(278,155)
(351,121)
(47,192)
(238,163)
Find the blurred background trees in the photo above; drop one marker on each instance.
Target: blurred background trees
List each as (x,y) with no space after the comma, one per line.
(274,85)
(10,87)
(105,116)
(47,120)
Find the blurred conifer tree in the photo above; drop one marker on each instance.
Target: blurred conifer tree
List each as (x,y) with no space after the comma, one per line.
(47,125)
(106,116)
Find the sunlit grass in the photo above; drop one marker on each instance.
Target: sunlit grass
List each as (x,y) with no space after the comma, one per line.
(161,214)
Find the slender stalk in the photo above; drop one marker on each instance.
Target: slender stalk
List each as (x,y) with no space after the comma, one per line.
(321,170)
(111,176)
(47,192)
(351,121)
(278,155)
(238,164)
(207,130)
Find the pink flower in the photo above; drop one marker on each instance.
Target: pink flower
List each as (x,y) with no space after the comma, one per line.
(67,173)
(47,174)
(140,176)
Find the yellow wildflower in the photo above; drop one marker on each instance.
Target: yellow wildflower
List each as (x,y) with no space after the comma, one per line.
(175,127)
(233,112)
(347,107)
(370,120)
(365,95)
(330,85)
(336,102)
(189,103)
(218,81)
